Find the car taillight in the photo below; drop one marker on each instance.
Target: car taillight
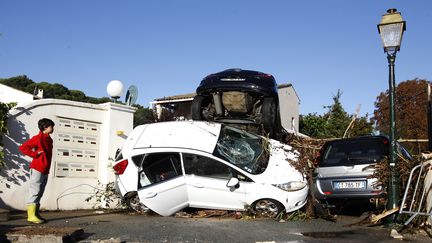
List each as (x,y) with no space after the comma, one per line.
(120,167)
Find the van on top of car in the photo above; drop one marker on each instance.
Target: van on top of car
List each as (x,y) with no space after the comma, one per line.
(169,166)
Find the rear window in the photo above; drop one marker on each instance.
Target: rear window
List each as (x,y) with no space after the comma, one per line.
(354,152)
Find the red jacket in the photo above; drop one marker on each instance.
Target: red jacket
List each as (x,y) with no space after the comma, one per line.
(41,142)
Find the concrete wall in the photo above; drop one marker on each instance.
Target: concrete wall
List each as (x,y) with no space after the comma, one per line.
(289,107)
(68,186)
(8,95)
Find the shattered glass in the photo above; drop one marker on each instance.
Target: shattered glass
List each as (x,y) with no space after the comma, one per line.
(243,149)
(237,151)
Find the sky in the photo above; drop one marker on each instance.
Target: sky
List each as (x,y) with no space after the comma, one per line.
(166,47)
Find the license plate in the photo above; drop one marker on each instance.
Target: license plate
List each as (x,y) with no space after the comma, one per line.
(350,185)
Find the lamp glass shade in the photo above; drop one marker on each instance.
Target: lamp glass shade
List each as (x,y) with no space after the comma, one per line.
(115,88)
(391,35)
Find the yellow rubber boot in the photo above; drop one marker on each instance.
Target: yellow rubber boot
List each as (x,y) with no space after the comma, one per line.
(31,214)
(37,213)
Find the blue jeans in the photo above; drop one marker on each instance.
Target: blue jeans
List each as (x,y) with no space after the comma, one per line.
(38,182)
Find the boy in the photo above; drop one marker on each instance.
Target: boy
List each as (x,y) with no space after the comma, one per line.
(39,147)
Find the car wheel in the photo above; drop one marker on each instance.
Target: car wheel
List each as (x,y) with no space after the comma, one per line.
(196,108)
(269,115)
(268,207)
(134,203)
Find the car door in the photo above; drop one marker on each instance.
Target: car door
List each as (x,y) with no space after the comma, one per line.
(206,181)
(161,184)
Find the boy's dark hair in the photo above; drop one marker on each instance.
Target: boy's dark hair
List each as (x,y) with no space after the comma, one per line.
(44,123)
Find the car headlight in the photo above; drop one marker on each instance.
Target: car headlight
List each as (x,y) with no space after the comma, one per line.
(291,186)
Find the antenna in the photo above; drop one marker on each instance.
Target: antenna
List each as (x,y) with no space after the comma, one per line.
(131,95)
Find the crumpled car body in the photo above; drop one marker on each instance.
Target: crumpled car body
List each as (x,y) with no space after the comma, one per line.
(173,165)
(244,98)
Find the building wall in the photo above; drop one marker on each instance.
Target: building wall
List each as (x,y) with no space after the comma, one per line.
(86,137)
(8,95)
(289,108)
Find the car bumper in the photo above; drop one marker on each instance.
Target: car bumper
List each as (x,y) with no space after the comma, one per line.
(323,189)
(119,187)
(296,199)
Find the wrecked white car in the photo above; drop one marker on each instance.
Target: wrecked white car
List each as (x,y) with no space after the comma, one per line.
(169,166)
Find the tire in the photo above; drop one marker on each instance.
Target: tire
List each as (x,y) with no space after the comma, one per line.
(196,108)
(134,203)
(269,116)
(267,207)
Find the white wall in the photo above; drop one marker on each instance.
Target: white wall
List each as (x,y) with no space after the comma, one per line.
(8,95)
(62,192)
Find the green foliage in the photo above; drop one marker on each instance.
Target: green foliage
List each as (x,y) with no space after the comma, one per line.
(334,122)
(18,82)
(312,125)
(143,115)
(105,195)
(58,91)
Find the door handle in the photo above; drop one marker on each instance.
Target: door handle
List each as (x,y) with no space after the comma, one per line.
(150,194)
(198,185)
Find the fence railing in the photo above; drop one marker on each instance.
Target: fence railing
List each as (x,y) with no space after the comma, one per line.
(419,191)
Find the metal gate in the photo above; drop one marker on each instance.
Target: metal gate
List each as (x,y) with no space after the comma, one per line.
(419,191)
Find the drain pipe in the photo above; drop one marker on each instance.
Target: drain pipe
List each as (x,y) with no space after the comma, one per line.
(429,117)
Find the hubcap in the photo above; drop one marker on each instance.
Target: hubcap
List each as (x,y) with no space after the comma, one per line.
(137,205)
(266,208)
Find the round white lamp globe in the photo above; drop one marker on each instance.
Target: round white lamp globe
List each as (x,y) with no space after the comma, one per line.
(115,89)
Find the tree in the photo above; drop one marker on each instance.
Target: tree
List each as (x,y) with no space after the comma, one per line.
(312,125)
(143,115)
(58,91)
(18,82)
(334,122)
(410,109)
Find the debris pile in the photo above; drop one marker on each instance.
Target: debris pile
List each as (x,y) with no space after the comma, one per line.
(308,149)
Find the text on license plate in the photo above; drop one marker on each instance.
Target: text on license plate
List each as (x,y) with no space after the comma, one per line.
(350,184)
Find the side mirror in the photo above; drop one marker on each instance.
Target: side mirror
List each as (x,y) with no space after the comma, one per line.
(233,182)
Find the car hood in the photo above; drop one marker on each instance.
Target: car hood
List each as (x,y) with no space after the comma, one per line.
(279,169)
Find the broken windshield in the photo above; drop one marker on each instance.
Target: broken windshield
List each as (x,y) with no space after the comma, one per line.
(242,149)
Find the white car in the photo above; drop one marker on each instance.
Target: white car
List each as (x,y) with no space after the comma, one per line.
(169,166)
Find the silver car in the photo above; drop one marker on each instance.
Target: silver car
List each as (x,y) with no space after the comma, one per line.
(344,167)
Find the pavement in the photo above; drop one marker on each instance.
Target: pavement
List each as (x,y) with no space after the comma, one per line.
(114,226)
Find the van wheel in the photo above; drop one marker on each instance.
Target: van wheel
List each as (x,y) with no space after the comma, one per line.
(196,108)
(269,115)
(134,203)
(268,207)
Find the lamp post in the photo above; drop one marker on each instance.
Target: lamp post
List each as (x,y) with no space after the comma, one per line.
(115,89)
(391,30)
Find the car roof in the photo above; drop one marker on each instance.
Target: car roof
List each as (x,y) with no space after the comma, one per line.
(197,135)
(358,138)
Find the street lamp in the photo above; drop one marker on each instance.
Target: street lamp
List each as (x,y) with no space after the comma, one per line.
(391,30)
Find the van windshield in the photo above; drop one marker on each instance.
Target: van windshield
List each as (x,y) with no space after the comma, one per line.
(242,149)
(354,152)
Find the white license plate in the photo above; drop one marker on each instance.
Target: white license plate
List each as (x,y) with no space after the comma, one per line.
(350,184)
